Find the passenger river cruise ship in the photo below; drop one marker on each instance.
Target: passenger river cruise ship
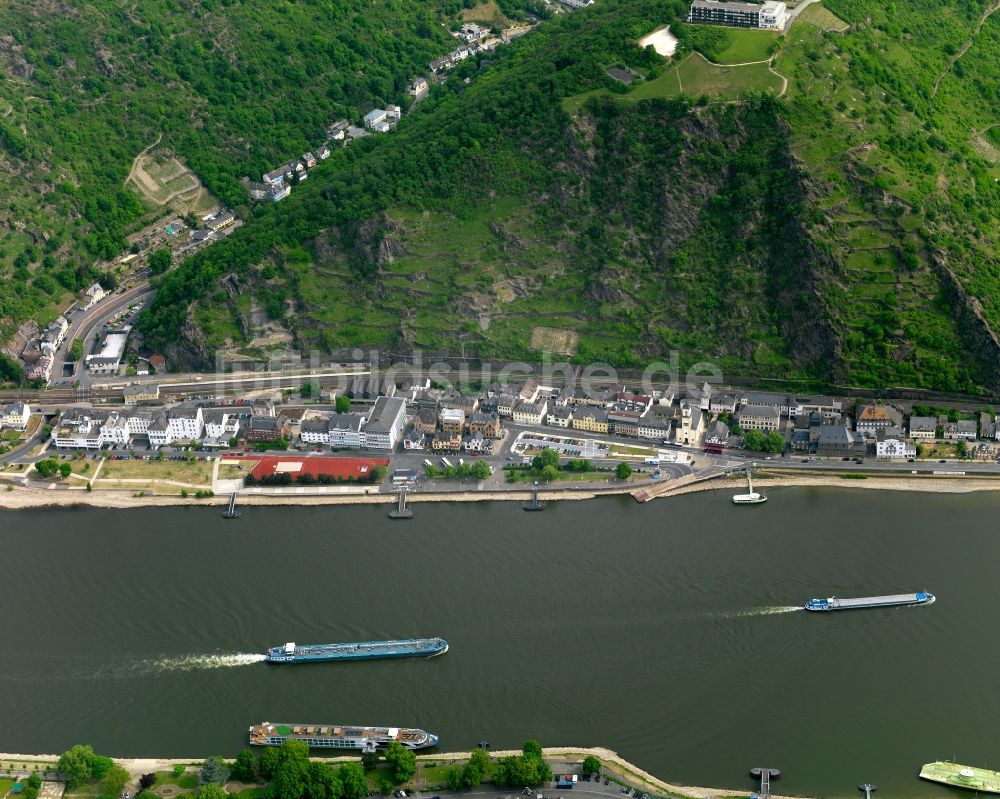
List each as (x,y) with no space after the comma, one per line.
(332,736)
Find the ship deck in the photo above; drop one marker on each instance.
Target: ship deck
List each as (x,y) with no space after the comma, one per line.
(860,602)
(955,774)
(410,645)
(333,732)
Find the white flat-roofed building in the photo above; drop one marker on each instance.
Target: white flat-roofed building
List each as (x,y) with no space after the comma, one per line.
(185,423)
(375,118)
(315,430)
(773,15)
(890,443)
(138,422)
(220,425)
(344,429)
(109,358)
(158,430)
(78,431)
(15,416)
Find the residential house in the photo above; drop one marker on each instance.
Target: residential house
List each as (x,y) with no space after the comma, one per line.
(592,420)
(700,396)
(468,404)
(93,295)
(446,441)
(923,428)
(15,416)
(413,440)
(560,416)
(115,430)
(962,430)
(393,113)
(656,427)
(722,403)
(872,418)
(838,440)
(717,433)
(828,407)
(452,420)
(315,430)
(376,120)
(384,427)
(505,405)
(759,417)
(109,358)
(635,403)
(623,423)
(220,426)
(486,423)
(691,428)
(138,422)
(425,422)
(52,336)
(470,32)
(987,426)
(530,412)
(476,442)
(418,89)
(890,443)
(309,159)
(323,152)
(529,391)
(220,221)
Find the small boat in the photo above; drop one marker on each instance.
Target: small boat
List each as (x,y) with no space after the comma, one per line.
(751,497)
(958,776)
(891,601)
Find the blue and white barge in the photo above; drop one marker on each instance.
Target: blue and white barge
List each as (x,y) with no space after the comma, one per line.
(362,650)
(893,600)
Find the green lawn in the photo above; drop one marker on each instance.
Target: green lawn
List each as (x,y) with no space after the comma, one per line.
(5,785)
(747,45)
(822,18)
(696,76)
(188,779)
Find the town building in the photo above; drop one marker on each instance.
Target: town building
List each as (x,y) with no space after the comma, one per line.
(384,427)
(267,428)
(142,393)
(773,15)
(452,420)
(377,120)
(623,423)
(890,443)
(446,441)
(425,422)
(418,89)
(505,405)
(560,416)
(592,420)
(220,426)
(962,430)
(872,418)
(655,427)
(109,358)
(759,417)
(530,412)
(344,430)
(78,430)
(486,423)
(220,220)
(315,430)
(15,415)
(115,430)
(828,407)
(476,442)
(923,428)
(722,403)
(52,336)
(838,440)
(413,440)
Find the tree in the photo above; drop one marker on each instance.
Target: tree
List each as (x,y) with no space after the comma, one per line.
(323,783)
(754,440)
(623,471)
(369,760)
(294,750)
(532,748)
(454,779)
(268,763)
(529,768)
(549,473)
(352,777)
(75,351)
(378,473)
(402,760)
(342,403)
(308,390)
(245,767)
(290,778)
(159,261)
(46,468)
(474,771)
(214,769)
(100,765)
(774,442)
(591,765)
(76,763)
(481,470)
(65,470)
(547,457)
(211,790)
(114,783)
(147,781)
(34,781)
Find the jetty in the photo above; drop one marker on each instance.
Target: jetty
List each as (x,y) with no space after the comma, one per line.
(534,504)
(230,512)
(401,511)
(765,775)
(868,788)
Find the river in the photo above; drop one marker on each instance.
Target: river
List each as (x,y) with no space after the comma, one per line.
(668,631)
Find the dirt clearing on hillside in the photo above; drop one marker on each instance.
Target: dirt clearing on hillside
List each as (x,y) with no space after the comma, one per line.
(553,339)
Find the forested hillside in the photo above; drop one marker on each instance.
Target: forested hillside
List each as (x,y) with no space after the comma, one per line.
(836,223)
(231,86)
(846,232)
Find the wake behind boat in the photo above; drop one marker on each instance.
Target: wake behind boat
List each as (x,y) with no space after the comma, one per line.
(893,600)
(316,653)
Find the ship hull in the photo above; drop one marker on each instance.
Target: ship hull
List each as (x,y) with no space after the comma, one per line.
(348,652)
(872,602)
(324,736)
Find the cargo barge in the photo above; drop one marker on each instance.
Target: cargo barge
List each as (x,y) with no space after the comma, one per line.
(891,601)
(329,736)
(958,776)
(317,653)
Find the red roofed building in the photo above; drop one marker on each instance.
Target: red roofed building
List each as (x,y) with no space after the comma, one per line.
(339,469)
